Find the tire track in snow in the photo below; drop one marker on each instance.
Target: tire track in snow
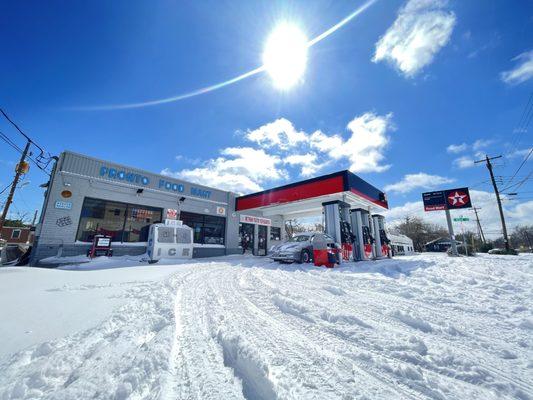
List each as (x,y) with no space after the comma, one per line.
(286,283)
(368,371)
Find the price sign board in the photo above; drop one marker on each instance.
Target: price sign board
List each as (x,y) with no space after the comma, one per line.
(451,199)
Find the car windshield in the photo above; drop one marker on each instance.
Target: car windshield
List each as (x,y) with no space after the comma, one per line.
(299,238)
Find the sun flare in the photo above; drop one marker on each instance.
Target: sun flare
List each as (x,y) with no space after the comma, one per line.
(285,55)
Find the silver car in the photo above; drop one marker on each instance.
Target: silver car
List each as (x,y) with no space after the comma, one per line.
(298,248)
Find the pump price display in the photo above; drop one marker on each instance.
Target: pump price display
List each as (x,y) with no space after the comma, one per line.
(451,199)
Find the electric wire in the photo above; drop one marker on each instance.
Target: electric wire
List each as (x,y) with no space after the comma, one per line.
(43,159)
(519,168)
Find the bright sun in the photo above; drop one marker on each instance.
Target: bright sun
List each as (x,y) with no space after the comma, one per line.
(285,55)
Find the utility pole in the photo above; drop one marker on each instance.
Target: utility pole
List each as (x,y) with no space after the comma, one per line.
(481,234)
(34,218)
(19,172)
(497,193)
(528,241)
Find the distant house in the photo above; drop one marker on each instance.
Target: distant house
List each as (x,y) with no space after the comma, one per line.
(401,244)
(441,244)
(17,234)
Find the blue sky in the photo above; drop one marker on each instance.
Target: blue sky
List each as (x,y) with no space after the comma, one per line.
(385,95)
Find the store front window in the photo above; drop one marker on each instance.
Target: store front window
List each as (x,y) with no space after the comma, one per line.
(138,221)
(123,222)
(207,229)
(275,233)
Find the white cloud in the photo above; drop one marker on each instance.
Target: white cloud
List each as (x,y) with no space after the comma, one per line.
(415,181)
(515,214)
(481,144)
(519,153)
(307,162)
(522,72)
(365,147)
(421,29)
(368,141)
(279,133)
(280,145)
(243,169)
(464,162)
(457,148)
(522,212)
(327,143)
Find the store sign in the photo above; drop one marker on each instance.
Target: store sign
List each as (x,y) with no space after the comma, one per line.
(122,175)
(172,214)
(63,205)
(221,211)
(250,219)
(139,179)
(451,199)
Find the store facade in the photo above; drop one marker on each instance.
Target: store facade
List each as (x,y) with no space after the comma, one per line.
(87,196)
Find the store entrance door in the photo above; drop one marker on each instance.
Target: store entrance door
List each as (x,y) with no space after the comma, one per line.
(246,232)
(262,240)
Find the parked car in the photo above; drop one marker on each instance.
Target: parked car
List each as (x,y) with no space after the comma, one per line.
(299,248)
(503,251)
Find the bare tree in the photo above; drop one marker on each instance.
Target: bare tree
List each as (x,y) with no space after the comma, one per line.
(419,231)
(293,226)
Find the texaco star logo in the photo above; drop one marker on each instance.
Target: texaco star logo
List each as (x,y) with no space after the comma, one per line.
(458,198)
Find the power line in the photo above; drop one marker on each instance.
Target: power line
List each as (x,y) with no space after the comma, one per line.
(524,121)
(6,139)
(42,160)
(4,189)
(519,168)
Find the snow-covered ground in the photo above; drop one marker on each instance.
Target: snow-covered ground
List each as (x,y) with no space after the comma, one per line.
(424,326)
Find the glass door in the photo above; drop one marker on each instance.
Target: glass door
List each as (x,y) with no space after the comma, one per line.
(262,240)
(246,232)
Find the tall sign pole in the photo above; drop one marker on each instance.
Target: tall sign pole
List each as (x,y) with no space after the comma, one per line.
(19,171)
(450,231)
(498,200)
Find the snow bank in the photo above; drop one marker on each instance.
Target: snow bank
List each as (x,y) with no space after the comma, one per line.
(239,327)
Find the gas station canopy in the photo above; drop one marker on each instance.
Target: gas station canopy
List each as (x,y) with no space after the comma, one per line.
(305,198)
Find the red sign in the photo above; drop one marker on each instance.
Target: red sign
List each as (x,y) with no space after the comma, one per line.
(457,199)
(172,214)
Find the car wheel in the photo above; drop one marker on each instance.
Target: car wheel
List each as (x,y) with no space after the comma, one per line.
(305,257)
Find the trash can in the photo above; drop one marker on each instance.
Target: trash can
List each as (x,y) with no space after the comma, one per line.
(324,253)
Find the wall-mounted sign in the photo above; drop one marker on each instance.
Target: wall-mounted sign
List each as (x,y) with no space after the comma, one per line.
(250,219)
(63,221)
(451,199)
(66,194)
(63,205)
(140,179)
(173,222)
(172,214)
(221,211)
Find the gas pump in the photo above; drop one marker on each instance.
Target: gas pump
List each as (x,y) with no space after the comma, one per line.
(337,219)
(347,240)
(382,241)
(361,230)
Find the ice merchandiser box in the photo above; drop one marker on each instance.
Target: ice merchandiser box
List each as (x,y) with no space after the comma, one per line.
(170,241)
